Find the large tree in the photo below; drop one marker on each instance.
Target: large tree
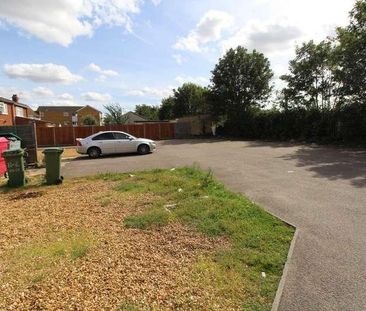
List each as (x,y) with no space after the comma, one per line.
(189,99)
(240,80)
(310,81)
(114,114)
(148,112)
(351,55)
(166,108)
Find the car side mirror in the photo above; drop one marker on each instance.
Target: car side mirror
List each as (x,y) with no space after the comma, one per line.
(130,138)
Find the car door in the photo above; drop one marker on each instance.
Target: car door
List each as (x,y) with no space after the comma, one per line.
(124,143)
(106,142)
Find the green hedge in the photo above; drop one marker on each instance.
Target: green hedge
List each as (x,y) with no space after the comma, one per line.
(343,125)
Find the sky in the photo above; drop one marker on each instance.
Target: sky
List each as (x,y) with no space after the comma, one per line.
(132,52)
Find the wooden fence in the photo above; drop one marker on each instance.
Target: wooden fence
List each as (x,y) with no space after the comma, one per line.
(66,136)
(28,137)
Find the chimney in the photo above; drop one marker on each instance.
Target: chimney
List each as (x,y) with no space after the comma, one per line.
(15,98)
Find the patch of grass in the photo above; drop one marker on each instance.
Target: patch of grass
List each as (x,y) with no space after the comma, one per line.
(258,241)
(38,259)
(152,218)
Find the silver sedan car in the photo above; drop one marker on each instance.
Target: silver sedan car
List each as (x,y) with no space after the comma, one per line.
(111,142)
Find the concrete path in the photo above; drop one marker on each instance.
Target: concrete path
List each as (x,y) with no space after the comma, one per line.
(322,191)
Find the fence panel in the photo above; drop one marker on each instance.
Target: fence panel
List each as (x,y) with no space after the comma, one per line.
(65,136)
(136,130)
(101,128)
(119,127)
(83,131)
(45,136)
(167,130)
(152,130)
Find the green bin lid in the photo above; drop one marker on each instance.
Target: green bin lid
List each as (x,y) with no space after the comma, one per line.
(54,150)
(13,152)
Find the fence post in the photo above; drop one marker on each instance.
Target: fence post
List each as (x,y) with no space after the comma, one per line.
(159,131)
(73,135)
(54,136)
(35,140)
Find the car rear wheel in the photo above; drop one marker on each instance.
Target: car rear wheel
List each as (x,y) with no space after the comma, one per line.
(94,152)
(143,149)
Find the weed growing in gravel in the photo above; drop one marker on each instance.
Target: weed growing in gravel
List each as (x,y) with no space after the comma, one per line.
(259,242)
(41,258)
(152,218)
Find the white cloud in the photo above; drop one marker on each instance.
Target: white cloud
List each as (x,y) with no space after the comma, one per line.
(264,37)
(198,80)
(65,96)
(150,92)
(179,58)
(60,21)
(96,97)
(50,73)
(95,68)
(8,91)
(209,29)
(43,92)
(156,2)
(62,103)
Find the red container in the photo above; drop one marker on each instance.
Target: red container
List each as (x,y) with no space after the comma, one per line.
(4,145)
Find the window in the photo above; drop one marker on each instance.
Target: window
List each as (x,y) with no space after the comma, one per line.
(121,136)
(104,136)
(3,108)
(66,114)
(19,111)
(41,114)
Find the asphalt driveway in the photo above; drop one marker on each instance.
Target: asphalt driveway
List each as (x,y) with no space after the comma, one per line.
(322,191)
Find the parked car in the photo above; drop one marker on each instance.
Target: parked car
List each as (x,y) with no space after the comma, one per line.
(111,142)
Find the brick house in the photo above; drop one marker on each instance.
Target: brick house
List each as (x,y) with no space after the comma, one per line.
(12,109)
(68,115)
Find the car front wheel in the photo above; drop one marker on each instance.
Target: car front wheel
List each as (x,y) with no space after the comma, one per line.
(94,152)
(143,149)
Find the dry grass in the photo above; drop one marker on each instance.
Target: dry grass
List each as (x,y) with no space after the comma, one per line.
(160,240)
(65,248)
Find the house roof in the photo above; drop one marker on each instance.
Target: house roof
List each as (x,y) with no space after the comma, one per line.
(89,107)
(70,109)
(9,101)
(134,115)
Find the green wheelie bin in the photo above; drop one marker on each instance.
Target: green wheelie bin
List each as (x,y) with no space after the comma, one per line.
(15,167)
(53,165)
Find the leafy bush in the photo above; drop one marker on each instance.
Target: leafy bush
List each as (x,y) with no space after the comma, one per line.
(342,125)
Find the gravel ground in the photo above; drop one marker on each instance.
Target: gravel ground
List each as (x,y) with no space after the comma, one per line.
(321,190)
(119,268)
